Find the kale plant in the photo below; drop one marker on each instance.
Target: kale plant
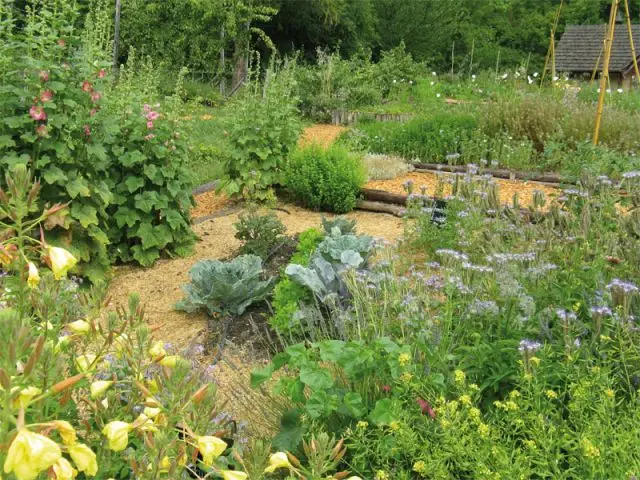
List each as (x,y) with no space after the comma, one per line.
(227,288)
(342,223)
(353,250)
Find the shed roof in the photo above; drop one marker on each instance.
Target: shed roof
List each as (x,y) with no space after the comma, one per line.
(581,46)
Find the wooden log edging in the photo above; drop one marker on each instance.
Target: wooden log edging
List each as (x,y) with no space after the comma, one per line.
(495,172)
(347,117)
(383,196)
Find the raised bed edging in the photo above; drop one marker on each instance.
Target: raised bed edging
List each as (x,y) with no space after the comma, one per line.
(346,117)
(496,172)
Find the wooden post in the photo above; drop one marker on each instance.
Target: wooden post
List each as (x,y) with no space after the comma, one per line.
(604,78)
(553,57)
(551,51)
(116,37)
(631,41)
(497,64)
(473,47)
(453,49)
(222,62)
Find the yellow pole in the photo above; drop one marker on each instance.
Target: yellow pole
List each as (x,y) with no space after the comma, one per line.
(604,78)
(552,50)
(631,42)
(595,69)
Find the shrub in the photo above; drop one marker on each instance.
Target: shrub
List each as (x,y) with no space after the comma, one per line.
(119,160)
(226,288)
(327,180)
(262,133)
(259,233)
(385,167)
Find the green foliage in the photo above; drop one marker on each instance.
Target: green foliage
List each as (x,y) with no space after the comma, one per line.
(343,224)
(226,288)
(288,295)
(259,234)
(263,131)
(341,246)
(117,160)
(328,180)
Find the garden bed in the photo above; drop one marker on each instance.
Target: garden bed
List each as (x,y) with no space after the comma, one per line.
(507,188)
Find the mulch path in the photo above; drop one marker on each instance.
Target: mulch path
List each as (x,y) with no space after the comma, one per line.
(322,134)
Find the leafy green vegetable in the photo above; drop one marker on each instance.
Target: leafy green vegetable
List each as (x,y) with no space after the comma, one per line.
(225,287)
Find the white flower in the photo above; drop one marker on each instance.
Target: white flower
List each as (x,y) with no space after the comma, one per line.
(608,90)
(529,79)
(620,90)
(504,77)
(434,73)
(394,80)
(535,75)
(437,95)
(433,83)
(555,79)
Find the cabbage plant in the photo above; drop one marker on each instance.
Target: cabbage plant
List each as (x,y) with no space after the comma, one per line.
(227,288)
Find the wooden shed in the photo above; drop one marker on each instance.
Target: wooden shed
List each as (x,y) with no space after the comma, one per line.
(580,51)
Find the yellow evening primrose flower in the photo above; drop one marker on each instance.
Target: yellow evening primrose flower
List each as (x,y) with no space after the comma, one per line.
(404,359)
(277,461)
(99,388)
(551,395)
(117,433)
(81,327)
(66,431)
(34,277)
(465,399)
(151,412)
(234,475)
(157,350)
(362,425)
(460,376)
(83,362)
(29,454)
(61,261)
(169,361)
(165,464)
(25,396)
(84,458)
(210,448)
(63,470)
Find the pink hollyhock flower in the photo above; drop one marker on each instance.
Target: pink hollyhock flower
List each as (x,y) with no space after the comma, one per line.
(37,113)
(86,86)
(46,96)
(153,115)
(44,76)
(95,96)
(426,408)
(61,42)
(386,388)
(41,131)
(102,73)
(87,130)
(93,112)
(149,124)
(146,107)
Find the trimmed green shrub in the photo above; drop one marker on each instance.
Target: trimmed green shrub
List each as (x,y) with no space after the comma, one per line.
(328,179)
(259,233)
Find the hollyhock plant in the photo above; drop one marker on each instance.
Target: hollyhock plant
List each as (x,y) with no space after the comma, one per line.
(95,96)
(37,113)
(44,76)
(87,86)
(46,96)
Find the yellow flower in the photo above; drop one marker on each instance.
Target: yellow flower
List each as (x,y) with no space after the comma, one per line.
(534,361)
(511,406)
(362,425)
(84,458)
(83,362)
(420,467)
(169,361)
(151,412)
(165,464)
(609,393)
(234,475)
(406,377)
(63,470)
(211,448)
(460,376)
(483,430)
(99,388)
(531,444)
(381,475)
(515,394)
(117,433)
(29,454)
(465,399)
(404,359)
(25,396)
(474,414)
(474,387)
(551,395)
(589,449)
(157,350)
(395,426)
(81,327)
(66,431)
(61,261)
(34,277)
(277,461)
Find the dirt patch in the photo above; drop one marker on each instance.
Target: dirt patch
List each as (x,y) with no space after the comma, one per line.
(322,134)
(507,188)
(209,202)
